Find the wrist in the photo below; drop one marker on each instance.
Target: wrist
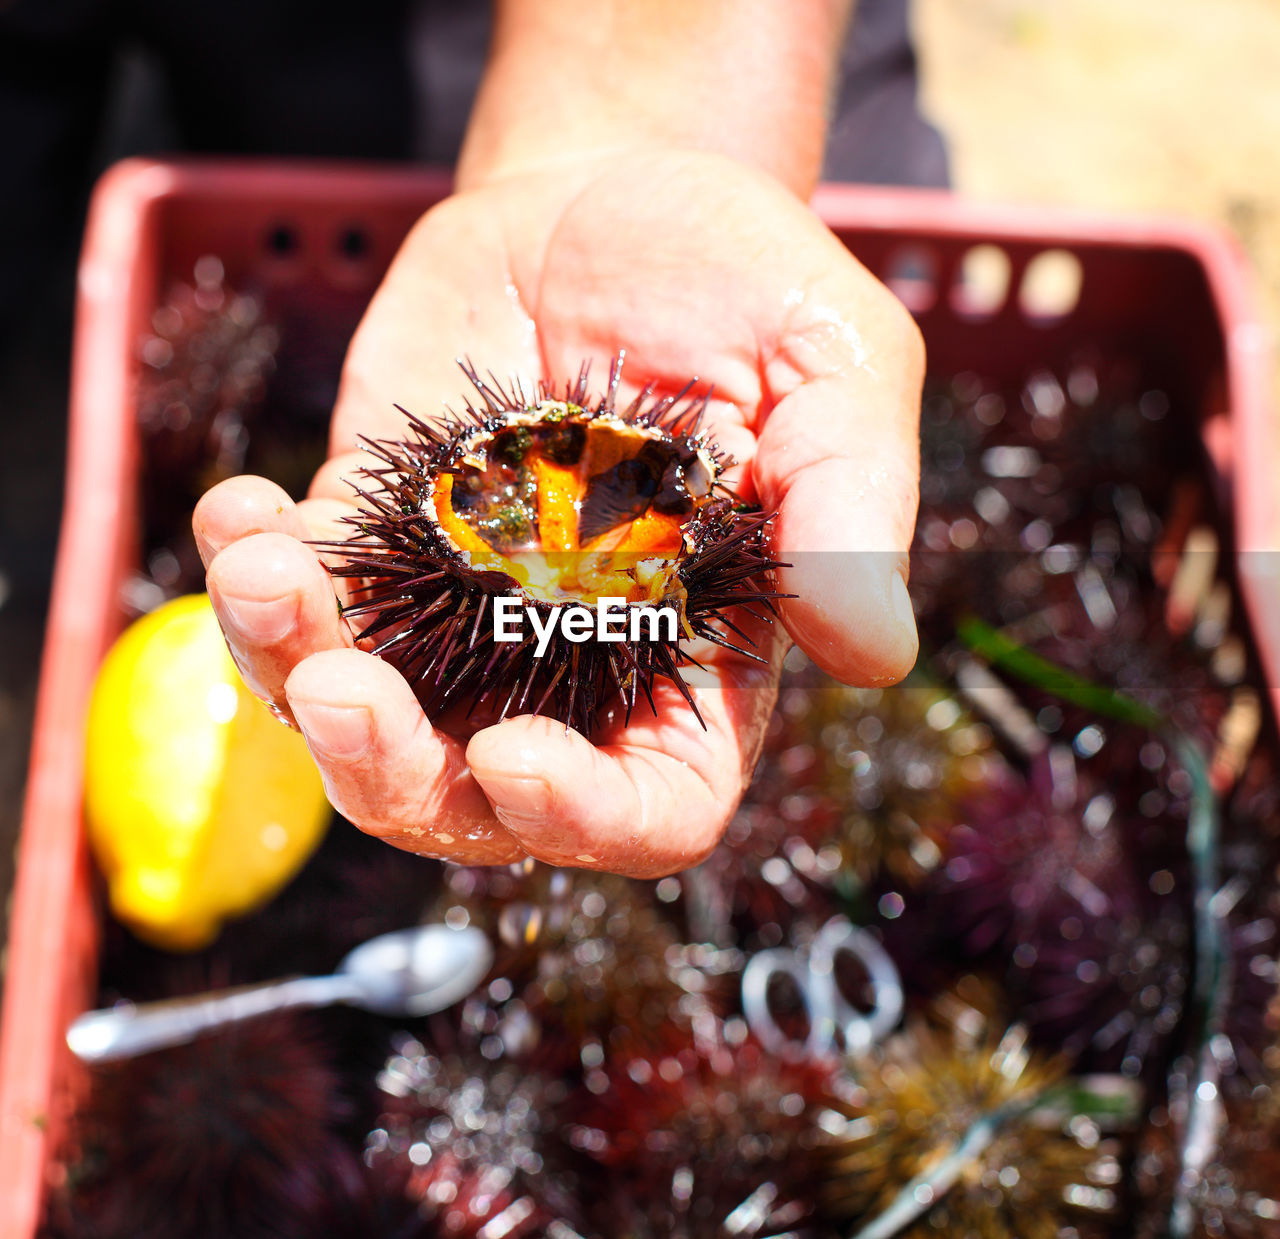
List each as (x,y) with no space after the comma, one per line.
(573,80)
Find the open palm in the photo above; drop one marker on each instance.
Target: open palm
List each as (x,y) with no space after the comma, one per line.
(696,266)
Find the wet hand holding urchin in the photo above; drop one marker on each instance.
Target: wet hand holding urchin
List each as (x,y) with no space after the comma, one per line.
(552,554)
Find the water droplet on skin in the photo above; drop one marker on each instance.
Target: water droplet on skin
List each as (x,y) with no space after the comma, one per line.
(280,715)
(844,332)
(529,329)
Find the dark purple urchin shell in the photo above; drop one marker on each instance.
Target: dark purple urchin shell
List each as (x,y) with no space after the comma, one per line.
(587,963)
(551,500)
(1234,1195)
(470,1146)
(1015,846)
(1111,984)
(202,382)
(1039,882)
(1249,862)
(237,1134)
(1065,477)
(203,376)
(1246,1049)
(715,1137)
(854,787)
(1105,621)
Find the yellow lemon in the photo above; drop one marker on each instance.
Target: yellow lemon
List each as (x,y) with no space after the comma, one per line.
(199,804)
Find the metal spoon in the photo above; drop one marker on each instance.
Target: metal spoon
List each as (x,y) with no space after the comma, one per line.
(408,972)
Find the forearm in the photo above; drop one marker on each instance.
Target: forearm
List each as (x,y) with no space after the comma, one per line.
(746,78)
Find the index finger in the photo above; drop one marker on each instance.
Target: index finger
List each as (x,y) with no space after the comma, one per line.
(838,457)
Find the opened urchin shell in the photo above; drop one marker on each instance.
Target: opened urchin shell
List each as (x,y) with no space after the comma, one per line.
(551,500)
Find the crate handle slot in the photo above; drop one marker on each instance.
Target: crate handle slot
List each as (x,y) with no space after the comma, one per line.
(282,241)
(981,285)
(1050,287)
(911,274)
(353,244)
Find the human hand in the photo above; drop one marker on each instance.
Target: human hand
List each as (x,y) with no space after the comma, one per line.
(696,265)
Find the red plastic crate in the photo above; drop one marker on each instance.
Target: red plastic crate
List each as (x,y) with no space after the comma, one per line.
(1173,295)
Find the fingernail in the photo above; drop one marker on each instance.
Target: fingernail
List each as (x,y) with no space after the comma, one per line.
(520,801)
(262,621)
(245,667)
(204,547)
(903,611)
(343,733)
(905,614)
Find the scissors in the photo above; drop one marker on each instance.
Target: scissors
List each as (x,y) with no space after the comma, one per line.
(833,1019)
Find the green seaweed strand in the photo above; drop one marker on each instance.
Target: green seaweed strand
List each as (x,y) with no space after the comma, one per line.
(1006,654)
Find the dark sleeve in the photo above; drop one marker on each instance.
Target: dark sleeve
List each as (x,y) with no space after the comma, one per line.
(55,57)
(315,78)
(878,135)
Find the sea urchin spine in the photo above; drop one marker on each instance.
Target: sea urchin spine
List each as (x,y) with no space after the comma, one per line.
(541,509)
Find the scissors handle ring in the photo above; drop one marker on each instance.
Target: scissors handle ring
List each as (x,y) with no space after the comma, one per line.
(831,1016)
(859,1029)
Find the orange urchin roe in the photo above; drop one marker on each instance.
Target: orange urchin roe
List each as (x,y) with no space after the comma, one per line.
(654,533)
(560,491)
(463,536)
(567,507)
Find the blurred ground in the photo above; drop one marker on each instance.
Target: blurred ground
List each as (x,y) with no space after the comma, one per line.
(1169,105)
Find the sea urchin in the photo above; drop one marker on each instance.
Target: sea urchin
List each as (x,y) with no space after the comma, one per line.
(485,541)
